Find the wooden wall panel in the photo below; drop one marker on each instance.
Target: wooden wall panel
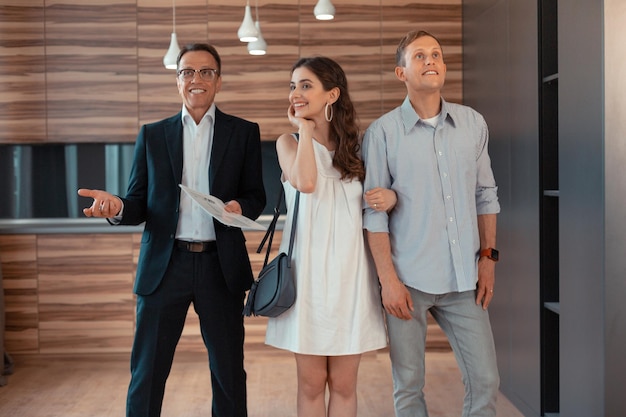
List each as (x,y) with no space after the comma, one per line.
(85,293)
(18,254)
(91,70)
(96,73)
(22,72)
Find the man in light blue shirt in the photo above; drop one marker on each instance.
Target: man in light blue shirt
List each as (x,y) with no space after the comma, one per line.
(435,250)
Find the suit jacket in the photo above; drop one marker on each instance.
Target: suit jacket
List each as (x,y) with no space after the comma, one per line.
(153,195)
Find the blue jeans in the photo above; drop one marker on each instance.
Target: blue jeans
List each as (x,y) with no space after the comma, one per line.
(469,332)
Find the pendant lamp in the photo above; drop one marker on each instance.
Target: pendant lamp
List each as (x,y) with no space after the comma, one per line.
(247,31)
(258,47)
(324,10)
(169,60)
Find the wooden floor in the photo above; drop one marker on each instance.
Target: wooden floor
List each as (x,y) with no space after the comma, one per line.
(95,386)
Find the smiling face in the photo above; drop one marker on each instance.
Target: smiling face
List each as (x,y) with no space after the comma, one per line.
(423,69)
(307,95)
(198,93)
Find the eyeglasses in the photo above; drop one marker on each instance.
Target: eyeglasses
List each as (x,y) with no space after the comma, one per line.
(207,74)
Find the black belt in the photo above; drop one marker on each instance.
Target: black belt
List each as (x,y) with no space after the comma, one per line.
(196,247)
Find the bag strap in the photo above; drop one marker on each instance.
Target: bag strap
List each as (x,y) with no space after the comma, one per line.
(272,227)
(293,227)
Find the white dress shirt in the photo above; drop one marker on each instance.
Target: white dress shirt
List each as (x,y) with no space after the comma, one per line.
(195,224)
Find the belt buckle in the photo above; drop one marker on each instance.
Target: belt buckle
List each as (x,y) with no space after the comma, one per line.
(195,247)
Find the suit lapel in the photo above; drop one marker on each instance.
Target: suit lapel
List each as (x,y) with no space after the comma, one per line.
(174,141)
(221,137)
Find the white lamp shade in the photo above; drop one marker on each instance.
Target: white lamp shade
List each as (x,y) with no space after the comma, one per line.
(247,31)
(169,60)
(324,10)
(258,47)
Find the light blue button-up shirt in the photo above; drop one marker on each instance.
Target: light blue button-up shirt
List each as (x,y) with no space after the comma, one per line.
(443,180)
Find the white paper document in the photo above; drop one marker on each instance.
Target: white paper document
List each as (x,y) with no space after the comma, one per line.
(215,207)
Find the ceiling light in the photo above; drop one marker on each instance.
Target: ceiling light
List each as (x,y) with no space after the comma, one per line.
(169,60)
(247,31)
(258,47)
(324,10)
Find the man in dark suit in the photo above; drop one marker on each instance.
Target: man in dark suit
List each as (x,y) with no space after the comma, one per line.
(186,255)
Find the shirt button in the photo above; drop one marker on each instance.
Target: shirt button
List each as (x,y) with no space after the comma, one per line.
(448,197)
(451,219)
(453,241)
(440,153)
(445,175)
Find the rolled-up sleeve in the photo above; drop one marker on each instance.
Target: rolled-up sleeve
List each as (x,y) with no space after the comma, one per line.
(486,189)
(376,175)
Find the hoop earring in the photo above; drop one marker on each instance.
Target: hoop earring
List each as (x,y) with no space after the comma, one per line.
(332,113)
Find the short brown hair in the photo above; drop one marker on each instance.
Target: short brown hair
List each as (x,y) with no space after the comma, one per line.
(407,40)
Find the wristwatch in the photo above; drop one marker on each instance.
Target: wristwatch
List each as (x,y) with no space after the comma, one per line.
(490,253)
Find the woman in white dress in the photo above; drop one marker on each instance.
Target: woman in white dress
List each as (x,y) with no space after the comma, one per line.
(338,312)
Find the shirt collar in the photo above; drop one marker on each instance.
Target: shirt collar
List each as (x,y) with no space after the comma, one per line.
(410,116)
(186,117)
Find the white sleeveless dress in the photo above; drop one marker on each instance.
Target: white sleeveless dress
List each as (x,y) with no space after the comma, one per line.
(338,309)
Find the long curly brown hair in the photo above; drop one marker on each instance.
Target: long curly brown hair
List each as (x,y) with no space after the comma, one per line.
(344,129)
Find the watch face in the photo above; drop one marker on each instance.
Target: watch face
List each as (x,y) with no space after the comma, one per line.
(495,255)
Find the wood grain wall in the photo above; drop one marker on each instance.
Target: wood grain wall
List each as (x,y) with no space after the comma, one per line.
(73,293)
(76,71)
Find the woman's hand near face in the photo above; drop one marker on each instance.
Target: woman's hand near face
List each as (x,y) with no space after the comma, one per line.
(299,122)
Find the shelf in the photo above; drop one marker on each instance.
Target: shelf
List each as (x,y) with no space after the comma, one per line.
(553,306)
(551,77)
(551,193)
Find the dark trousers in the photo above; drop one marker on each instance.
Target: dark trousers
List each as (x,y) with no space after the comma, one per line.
(190,278)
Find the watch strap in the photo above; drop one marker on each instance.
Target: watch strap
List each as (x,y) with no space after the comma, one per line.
(490,253)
